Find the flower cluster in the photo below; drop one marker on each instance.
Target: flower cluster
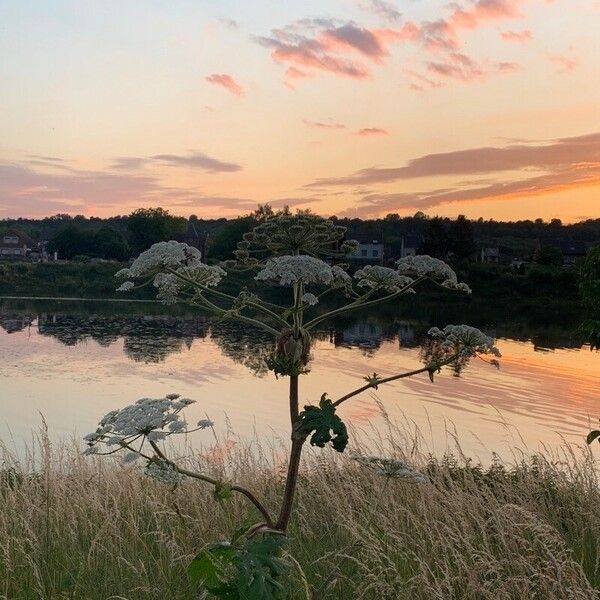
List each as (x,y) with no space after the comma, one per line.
(163,472)
(291,234)
(164,254)
(309,299)
(468,340)
(183,265)
(423,265)
(287,270)
(153,419)
(377,277)
(392,468)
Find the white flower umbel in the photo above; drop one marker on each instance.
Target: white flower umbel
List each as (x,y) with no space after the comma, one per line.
(164,254)
(392,468)
(162,260)
(287,270)
(468,340)
(423,265)
(163,472)
(309,299)
(384,278)
(153,419)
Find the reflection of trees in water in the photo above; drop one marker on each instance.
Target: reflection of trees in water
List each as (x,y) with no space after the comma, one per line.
(13,323)
(145,339)
(152,338)
(248,346)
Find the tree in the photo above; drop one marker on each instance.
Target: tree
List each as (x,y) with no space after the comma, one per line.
(71,241)
(110,243)
(149,226)
(462,238)
(548,256)
(436,238)
(225,241)
(251,565)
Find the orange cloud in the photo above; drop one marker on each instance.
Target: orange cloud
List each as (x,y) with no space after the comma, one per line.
(226,81)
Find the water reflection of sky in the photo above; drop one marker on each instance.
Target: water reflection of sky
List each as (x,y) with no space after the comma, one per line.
(73,369)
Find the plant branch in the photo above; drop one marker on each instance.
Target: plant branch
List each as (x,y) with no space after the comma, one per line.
(360,303)
(378,382)
(236,488)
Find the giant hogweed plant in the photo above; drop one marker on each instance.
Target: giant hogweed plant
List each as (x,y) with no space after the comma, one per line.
(286,251)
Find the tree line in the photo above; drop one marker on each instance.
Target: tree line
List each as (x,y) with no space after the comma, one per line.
(122,237)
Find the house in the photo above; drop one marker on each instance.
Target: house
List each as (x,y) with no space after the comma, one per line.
(572,252)
(410,245)
(370,249)
(490,255)
(15,245)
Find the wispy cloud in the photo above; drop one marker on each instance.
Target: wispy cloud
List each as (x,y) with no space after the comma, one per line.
(330,124)
(565,179)
(514,171)
(371,131)
(25,190)
(230,23)
(197,160)
(382,8)
(558,154)
(345,49)
(226,81)
(521,37)
(348,49)
(193,160)
(563,63)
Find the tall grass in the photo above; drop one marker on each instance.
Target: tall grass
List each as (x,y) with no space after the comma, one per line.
(93,529)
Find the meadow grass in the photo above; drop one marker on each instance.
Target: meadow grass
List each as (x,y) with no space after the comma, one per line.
(84,528)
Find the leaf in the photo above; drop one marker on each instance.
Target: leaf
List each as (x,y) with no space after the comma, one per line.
(592,435)
(324,424)
(259,568)
(208,567)
(222,491)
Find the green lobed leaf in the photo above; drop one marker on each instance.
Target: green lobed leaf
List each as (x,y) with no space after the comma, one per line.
(592,435)
(324,425)
(208,567)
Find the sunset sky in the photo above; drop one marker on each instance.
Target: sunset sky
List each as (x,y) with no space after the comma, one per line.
(486,108)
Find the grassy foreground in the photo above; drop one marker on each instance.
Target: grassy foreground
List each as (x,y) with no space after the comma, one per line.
(91,529)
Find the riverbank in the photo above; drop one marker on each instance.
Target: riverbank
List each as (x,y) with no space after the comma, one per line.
(85,528)
(531,286)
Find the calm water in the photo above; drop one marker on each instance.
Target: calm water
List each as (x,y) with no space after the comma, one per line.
(73,367)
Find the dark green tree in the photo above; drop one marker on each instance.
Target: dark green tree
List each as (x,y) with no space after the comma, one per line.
(110,243)
(462,237)
(589,280)
(147,226)
(71,241)
(549,256)
(227,237)
(437,240)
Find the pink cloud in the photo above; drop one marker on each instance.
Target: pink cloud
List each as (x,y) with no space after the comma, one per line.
(517,36)
(226,81)
(371,131)
(564,64)
(313,45)
(347,49)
